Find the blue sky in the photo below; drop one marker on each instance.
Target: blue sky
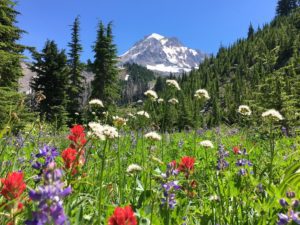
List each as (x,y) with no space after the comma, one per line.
(200,24)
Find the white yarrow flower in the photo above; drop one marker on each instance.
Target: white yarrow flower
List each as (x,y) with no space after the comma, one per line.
(103,132)
(244,110)
(173,83)
(202,94)
(110,132)
(207,144)
(160,100)
(173,101)
(153,136)
(96,102)
(119,121)
(143,113)
(151,94)
(272,114)
(130,115)
(96,130)
(133,168)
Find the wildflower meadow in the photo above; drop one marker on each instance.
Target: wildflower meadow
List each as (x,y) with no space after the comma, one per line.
(127,173)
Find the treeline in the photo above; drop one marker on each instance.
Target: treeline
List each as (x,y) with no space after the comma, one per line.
(262,71)
(57,88)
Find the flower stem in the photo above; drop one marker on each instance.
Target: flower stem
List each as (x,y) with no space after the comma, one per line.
(120,174)
(100,182)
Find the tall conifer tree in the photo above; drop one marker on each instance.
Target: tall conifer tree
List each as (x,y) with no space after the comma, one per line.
(105,84)
(75,76)
(51,81)
(284,7)
(10,50)
(13,111)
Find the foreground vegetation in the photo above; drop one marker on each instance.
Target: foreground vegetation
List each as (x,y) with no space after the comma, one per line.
(219,176)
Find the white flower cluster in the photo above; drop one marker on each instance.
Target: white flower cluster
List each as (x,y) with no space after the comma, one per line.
(272,114)
(244,110)
(96,102)
(143,113)
(151,94)
(202,94)
(153,136)
(207,144)
(103,132)
(173,83)
(119,121)
(173,101)
(130,115)
(133,168)
(160,100)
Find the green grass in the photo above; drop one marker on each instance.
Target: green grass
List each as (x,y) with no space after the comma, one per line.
(207,195)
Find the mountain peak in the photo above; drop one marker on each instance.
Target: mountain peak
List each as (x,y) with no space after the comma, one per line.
(163,54)
(155,36)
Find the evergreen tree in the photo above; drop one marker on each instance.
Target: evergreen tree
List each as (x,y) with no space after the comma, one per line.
(10,50)
(160,84)
(13,111)
(52,82)
(105,85)
(75,76)
(250,31)
(284,7)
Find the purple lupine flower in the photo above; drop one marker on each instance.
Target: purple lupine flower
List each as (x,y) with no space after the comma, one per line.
(169,187)
(290,194)
(283,219)
(172,185)
(50,198)
(242,172)
(243,163)
(222,154)
(283,202)
(48,154)
(295,216)
(295,203)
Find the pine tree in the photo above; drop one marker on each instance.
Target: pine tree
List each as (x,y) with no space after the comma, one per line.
(52,82)
(284,7)
(105,85)
(160,84)
(250,31)
(10,50)
(75,76)
(13,111)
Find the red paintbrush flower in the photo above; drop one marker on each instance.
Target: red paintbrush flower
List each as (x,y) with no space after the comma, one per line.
(187,163)
(77,135)
(123,216)
(13,185)
(70,159)
(69,156)
(236,150)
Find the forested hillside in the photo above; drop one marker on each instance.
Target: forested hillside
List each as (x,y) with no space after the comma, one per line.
(262,71)
(136,82)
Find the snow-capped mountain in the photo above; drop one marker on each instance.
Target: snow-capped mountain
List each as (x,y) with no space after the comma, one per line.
(162,54)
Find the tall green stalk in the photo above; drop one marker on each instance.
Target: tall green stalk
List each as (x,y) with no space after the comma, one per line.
(120,174)
(272,151)
(101,179)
